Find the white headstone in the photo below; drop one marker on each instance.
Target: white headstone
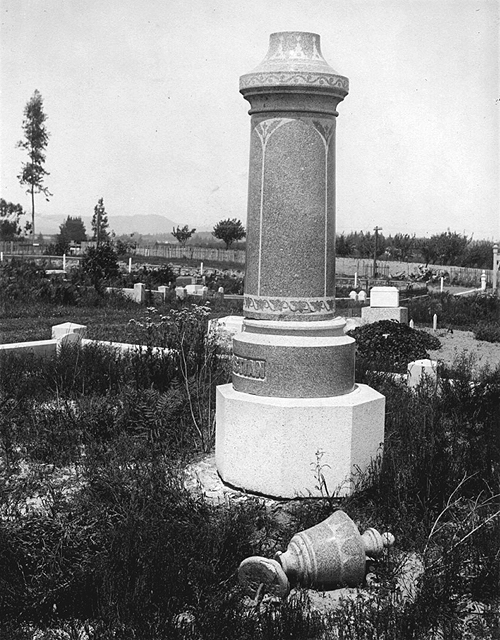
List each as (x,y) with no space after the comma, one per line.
(419,369)
(387,297)
(139,292)
(180,292)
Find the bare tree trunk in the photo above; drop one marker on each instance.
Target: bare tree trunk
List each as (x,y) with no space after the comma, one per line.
(33,212)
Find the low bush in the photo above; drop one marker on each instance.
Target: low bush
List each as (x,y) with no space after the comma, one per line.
(129,553)
(100,540)
(458,312)
(388,345)
(488,331)
(152,278)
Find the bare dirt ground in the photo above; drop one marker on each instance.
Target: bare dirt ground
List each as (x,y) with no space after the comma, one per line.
(458,343)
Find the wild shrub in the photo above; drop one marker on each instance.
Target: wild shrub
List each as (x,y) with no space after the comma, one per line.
(133,549)
(151,277)
(100,264)
(129,553)
(232,284)
(388,345)
(488,331)
(432,442)
(20,280)
(459,312)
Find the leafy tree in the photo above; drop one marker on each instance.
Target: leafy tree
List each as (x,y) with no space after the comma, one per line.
(229,231)
(450,247)
(10,213)
(35,142)
(72,230)
(427,250)
(363,244)
(478,254)
(401,246)
(343,246)
(100,223)
(183,234)
(100,263)
(444,248)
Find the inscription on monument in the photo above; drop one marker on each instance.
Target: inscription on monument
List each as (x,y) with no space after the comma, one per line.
(297,306)
(249,367)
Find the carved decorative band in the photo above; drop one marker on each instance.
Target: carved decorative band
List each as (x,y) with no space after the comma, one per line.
(249,367)
(288,306)
(294,78)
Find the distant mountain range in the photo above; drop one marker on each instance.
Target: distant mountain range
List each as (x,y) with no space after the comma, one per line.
(147,224)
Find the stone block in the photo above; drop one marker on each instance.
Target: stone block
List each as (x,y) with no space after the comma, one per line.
(180,292)
(384,297)
(277,446)
(61,330)
(38,348)
(419,370)
(194,289)
(374,314)
(163,290)
(293,359)
(139,292)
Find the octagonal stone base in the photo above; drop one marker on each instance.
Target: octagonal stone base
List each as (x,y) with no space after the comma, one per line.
(277,446)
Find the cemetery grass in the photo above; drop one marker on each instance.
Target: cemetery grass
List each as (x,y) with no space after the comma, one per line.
(100,539)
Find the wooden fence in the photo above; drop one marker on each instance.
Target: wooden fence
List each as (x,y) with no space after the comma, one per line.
(343,266)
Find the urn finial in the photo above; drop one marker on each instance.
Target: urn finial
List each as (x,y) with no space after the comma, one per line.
(294,58)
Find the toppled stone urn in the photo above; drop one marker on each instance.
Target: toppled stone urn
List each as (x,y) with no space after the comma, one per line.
(330,555)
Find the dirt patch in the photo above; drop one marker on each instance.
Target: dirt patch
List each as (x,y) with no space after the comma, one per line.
(459,343)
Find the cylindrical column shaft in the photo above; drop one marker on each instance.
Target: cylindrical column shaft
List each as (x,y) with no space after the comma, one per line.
(291,345)
(291,201)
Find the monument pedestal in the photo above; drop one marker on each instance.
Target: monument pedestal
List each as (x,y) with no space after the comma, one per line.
(276,446)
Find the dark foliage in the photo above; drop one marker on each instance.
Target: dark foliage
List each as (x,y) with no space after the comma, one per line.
(488,331)
(100,539)
(388,345)
(229,231)
(100,264)
(459,312)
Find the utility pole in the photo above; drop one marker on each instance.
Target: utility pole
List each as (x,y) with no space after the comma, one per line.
(377,229)
(496,265)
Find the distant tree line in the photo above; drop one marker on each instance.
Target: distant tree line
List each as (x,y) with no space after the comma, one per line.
(446,248)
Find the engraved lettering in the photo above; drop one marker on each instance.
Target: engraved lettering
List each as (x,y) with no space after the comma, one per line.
(289,306)
(249,367)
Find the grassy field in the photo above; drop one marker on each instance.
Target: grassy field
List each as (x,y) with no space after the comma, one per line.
(99,539)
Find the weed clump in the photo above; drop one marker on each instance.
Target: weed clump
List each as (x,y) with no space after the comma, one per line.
(459,312)
(388,345)
(488,331)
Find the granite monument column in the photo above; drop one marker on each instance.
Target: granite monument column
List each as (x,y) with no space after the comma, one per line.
(293,393)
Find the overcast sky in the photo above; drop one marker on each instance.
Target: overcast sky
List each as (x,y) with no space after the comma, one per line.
(144,110)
